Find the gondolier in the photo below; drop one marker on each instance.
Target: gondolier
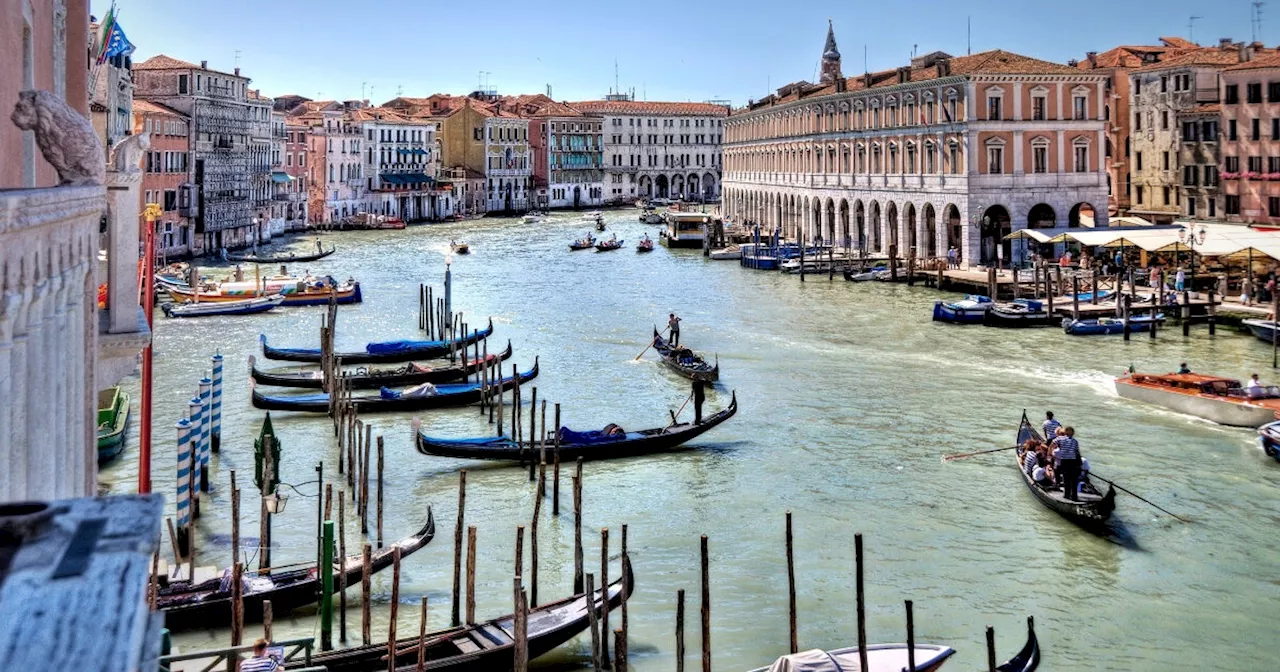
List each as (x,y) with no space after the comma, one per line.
(1050,426)
(1068,462)
(673,323)
(699,395)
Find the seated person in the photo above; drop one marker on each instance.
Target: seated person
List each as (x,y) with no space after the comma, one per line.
(1042,475)
(1030,456)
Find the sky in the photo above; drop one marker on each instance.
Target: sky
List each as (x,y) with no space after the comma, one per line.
(697,50)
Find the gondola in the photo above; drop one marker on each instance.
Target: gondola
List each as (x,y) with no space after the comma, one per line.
(645,245)
(320,253)
(366,378)
(208,604)
(1018,313)
(1093,508)
(685,362)
(485,646)
(583,243)
(595,445)
(253,306)
(388,400)
(1109,325)
(600,224)
(609,245)
(1028,659)
(113,420)
(380,353)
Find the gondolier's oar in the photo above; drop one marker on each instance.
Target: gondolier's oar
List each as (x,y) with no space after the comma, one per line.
(948,458)
(646,348)
(1126,490)
(677,413)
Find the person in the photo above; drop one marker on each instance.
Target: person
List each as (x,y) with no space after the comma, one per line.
(1153,277)
(1254,385)
(951,257)
(699,395)
(1119,262)
(673,323)
(1030,456)
(1246,289)
(1183,368)
(1041,476)
(1068,453)
(1222,286)
(239,276)
(1180,279)
(260,661)
(1050,426)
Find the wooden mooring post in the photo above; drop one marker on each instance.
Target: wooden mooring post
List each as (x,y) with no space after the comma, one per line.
(456,618)
(791,588)
(680,630)
(706,607)
(342,576)
(591,622)
(911,638)
(366,578)
(991,649)
(471,575)
(395,607)
(861,601)
(604,601)
(379,504)
(555,480)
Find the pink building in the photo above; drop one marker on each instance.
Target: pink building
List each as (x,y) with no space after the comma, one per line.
(296,166)
(1250,141)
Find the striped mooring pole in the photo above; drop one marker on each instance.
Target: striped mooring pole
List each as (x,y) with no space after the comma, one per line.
(215,434)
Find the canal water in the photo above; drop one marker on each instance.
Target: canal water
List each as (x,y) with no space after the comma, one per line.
(849,396)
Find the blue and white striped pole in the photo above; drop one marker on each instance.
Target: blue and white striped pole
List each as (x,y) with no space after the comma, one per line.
(215,434)
(183,501)
(195,412)
(206,414)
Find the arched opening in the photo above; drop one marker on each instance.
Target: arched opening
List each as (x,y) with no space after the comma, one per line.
(1082,214)
(930,231)
(1041,216)
(829,231)
(913,240)
(860,227)
(709,186)
(891,213)
(695,189)
(664,189)
(677,187)
(955,229)
(995,225)
(876,239)
(843,221)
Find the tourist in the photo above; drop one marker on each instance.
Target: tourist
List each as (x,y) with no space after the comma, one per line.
(951,257)
(1270,288)
(1180,280)
(261,661)
(1068,454)
(1065,260)
(1254,385)
(1119,262)
(1030,456)
(1050,426)
(1153,277)
(1246,289)
(1183,368)
(1041,476)
(673,323)
(699,395)
(1222,286)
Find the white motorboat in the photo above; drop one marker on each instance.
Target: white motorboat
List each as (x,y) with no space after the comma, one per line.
(732,253)
(534,217)
(880,658)
(1216,399)
(259,304)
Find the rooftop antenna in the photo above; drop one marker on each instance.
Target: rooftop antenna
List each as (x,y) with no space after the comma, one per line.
(399,90)
(968,35)
(915,49)
(370,98)
(865,66)
(238,55)
(616,88)
(362,85)
(1256,20)
(1191,29)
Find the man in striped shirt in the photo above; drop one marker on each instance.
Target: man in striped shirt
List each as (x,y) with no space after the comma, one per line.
(1068,453)
(1050,426)
(261,660)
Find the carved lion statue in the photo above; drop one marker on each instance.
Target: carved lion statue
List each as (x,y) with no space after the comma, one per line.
(66,139)
(126,156)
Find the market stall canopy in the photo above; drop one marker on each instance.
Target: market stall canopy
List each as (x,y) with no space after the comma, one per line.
(1038,235)
(1129,220)
(1229,240)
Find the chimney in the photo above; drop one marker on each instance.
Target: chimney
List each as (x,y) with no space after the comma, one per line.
(204,65)
(842,85)
(904,74)
(944,67)
(1224,43)
(1245,52)
(1093,58)
(237,72)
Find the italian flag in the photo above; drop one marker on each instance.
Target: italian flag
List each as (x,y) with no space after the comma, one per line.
(105,30)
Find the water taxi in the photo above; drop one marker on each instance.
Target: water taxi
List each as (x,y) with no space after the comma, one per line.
(1213,398)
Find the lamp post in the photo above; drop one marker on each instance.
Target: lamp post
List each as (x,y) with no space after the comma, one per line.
(448,288)
(1190,235)
(151,212)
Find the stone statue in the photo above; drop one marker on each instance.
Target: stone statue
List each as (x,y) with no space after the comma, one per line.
(126,156)
(66,139)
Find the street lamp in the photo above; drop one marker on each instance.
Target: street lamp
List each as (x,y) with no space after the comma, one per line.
(448,288)
(275,502)
(1191,235)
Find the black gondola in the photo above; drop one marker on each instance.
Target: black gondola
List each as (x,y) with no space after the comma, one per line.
(362,378)
(1091,510)
(389,401)
(208,603)
(380,353)
(1028,659)
(685,362)
(1019,313)
(485,646)
(591,446)
(282,258)
(583,243)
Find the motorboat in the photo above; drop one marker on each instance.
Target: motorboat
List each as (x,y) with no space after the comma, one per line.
(534,217)
(460,248)
(259,304)
(1213,398)
(865,275)
(1269,437)
(1263,329)
(971,309)
(1018,313)
(731,253)
(1109,325)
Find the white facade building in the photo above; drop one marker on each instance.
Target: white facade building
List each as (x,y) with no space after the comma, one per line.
(402,166)
(508,163)
(344,167)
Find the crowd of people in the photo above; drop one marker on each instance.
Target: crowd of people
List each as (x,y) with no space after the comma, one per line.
(1055,461)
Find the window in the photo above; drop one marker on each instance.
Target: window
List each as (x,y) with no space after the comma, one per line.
(1190,175)
(1254,93)
(1166,195)
(1255,129)
(1138,160)
(993,107)
(1137,121)
(1037,108)
(1273,206)
(1165,160)
(1191,207)
(1209,131)
(1137,87)
(1164,120)
(1190,131)
(1231,205)
(1040,158)
(1232,94)
(1232,164)
(1139,189)
(182,83)
(995,160)
(1273,164)
(1164,84)
(1231,130)
(1213,207)
(954,158)
(1255,164)
(1081,106)
(1081,157)
(1273,92)
(170,199)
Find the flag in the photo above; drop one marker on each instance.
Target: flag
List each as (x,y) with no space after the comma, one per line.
(946,112)
(104,34)
(924,121)
(117,44)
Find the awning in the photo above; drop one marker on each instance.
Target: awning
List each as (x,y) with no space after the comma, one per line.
(1129,220)
(406,178)
(1032,234)
(281,178)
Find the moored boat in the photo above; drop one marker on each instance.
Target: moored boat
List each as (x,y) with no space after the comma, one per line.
(1263,329)
(864,275)
(253,306)
(364,378)
(313,292)
(731,253)
(286,258)
(113,420)
(1216,399)
(380,352)
(880,658)
(1018,313)
(1028,658)
(1109,325)
(422,397)
(684,361)
(1090,510)
(969,310)
(612,442)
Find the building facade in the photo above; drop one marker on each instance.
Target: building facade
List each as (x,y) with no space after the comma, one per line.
(1199,158)
(568,157)
(166,179)
(945,151)
(111,102)
(295,166)
(262,187)
(344,185)
(222,172)
(508,163)
(402,164)
(659,149)
(1250,148)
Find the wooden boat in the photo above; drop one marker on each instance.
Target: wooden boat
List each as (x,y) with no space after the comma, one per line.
(880,658)
(1085,297)
(314,292)
(289,258)
(865,275)
(534,217)
(1269,437)
(420,398)
(1109,325)
(1018,313)
(645,245)
(363,378)
(583,243)
(1263,329)
(113,420)
(260,304)
(486,646)
(1221,400)
(731,253)
(609,245)
(600,224)
(460,248)
(596,445)
(684,361)
(969,310)
(1028,658)
(208,603)
(1093,508)
(383,352)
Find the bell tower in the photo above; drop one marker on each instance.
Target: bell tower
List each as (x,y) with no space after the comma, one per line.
(830,58)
